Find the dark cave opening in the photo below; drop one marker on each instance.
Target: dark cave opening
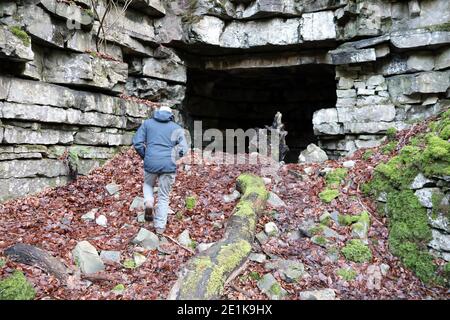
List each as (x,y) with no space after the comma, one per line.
(250,98)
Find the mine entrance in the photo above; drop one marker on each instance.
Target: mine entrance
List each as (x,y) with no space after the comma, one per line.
(249,98)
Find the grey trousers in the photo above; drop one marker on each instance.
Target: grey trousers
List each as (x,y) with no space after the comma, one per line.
(166,181)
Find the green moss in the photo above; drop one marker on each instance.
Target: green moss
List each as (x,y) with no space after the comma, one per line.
(255,275)
(439,205)
(228,258)
(275,289)
(197,267)
(391,133)
(335,177)
(120,288)
(316,230)
(190,202)
(445,132)
(328,195)
(346,219)
(355,250)
(320,240)
(446,269)
(347,274)
(16,287)
(129,264)
(439,27)
(367,155)
(388,148)
(2,262)
(21,34)
(252,186)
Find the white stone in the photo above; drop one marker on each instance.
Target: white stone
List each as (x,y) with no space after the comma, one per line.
(348,164)
(275,201)
(146,239)
(90,216)
(101,221)
(425,196)
(312,154)
(318,26)
(184,238)
(420,181)
(324,294)
(271,229)
(86,257)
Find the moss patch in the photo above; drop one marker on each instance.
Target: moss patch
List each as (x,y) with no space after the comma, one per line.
(228,259)
(190,202)
(347,274)
(336,177)
(16,287)
(409,232)
(388,148)
(355,250)
(328,195)
(21,34)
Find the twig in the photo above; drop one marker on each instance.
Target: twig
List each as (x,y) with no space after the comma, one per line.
(179,244)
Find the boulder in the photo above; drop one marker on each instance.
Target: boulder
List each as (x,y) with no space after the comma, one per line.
(153,89)
(137,204)
(318,26)
(271,229)
(171,69)
(139,259)
(275,201)
(290,270)
(420,181)
(101,221)
(425,196)
(146,239)
(231,197)
(15,44)
(85,70)
(184,239)
(90,216)
(262,237)
(204,246)
(86,258)
(112,188)
(312,154)
(261,33)
(419,38)
(323,294)
(440,241)
(257,257)
(270,286)
(110,256)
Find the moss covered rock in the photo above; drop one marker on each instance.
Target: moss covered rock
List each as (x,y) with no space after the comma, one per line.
(328,195)
(355,250)
(427,155)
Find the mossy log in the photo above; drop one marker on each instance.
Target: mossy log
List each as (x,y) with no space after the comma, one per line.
(34,256)
(204,276)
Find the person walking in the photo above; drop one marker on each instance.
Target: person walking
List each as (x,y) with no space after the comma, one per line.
(160,142)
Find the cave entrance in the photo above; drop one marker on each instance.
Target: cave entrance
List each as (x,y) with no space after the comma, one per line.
(249,98)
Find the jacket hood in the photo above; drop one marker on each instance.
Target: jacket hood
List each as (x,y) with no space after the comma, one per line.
(163,116)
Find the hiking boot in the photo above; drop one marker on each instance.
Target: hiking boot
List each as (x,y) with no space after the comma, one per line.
(160,230)
(148,216)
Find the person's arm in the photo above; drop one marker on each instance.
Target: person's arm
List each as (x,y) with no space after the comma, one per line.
(182,146)
(139,140)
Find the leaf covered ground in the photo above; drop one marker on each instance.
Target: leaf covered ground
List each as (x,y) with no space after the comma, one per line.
(52,221)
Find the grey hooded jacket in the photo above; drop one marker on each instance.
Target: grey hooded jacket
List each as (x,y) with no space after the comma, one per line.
(160,142)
